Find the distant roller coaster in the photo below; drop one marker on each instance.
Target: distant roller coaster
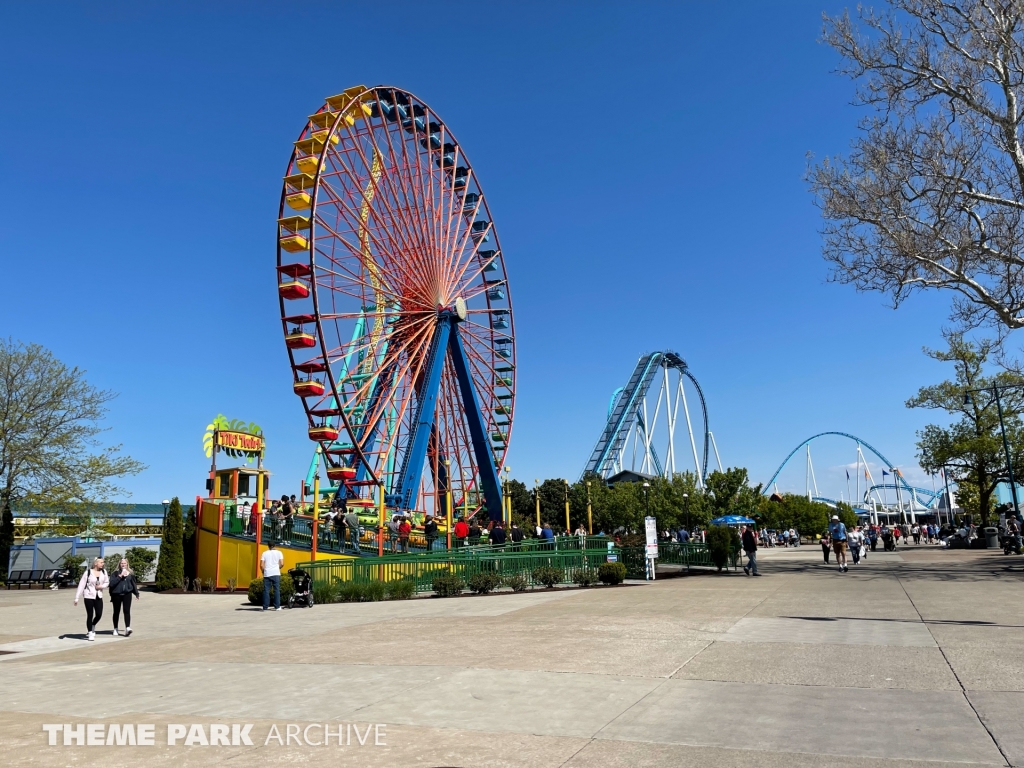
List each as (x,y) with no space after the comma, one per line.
(923,497)
(644,416)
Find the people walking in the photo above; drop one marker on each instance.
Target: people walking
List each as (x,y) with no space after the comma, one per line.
(837,532)
(404,530)
(352,524)
(270,564)
(826,547)
(90,589)
(516,535)
(854,541)
(474,533)
(461,531)
(122,588)
(430,532)
(497,536)
(749,541)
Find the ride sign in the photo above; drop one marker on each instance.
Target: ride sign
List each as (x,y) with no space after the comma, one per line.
(651,528)
(240,441)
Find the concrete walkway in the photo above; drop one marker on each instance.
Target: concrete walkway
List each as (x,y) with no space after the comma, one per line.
(911,659)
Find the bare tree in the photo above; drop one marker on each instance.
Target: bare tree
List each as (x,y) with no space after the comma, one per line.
(932,193)
(49,420)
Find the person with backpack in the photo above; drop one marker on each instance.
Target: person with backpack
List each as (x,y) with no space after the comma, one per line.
(122,587)
(837,532)
(90,589)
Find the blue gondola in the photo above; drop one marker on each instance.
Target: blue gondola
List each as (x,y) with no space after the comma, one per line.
(461,176)
(496,294)
(469,202)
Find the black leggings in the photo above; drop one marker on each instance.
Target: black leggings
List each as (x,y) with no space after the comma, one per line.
(119,602)
(93,612)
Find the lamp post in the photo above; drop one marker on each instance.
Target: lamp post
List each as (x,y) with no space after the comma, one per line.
(647,498)
(590,512)
(536,498)
(995,389)
(506,502)
(568,527)
(686,504)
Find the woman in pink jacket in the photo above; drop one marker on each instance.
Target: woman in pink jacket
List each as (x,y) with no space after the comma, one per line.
(91,587)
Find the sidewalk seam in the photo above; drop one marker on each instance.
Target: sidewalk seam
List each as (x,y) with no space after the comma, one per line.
(956,677)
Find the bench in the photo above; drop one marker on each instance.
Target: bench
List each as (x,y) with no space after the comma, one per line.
(30,577)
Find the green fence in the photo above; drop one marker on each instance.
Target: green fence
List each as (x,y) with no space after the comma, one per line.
(671,553)
(421,569)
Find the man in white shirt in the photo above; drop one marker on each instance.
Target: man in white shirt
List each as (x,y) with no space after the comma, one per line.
(270,564)
(855,538)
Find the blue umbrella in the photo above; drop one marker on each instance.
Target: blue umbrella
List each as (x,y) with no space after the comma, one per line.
(732,520)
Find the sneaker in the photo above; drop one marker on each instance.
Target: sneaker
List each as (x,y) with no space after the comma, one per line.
(91,636)
(279,608)
(757,574)
(128,632)
(115,631)
(746,570)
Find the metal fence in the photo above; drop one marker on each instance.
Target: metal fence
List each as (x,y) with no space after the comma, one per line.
(672,553)
(422,569)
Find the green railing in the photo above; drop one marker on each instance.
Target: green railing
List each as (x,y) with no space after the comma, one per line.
(421,569)
(671,553)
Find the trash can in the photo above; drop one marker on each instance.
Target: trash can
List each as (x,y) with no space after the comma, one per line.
(991,537)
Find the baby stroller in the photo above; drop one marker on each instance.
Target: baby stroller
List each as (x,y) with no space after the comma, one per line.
(303,594)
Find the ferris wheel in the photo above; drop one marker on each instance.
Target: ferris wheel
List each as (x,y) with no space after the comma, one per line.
(395,304)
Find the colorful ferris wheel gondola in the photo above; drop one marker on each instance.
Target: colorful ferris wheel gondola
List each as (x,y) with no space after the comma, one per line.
(395,304)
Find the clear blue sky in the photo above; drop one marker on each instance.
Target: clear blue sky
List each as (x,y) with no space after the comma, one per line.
(643,163)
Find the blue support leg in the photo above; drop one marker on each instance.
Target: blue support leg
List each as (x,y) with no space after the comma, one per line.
(490,483)
(404,493)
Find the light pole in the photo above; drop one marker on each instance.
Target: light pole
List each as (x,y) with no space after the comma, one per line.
(536,498)
(686,504)
(647,500)
(995,389)
(590,513)
(568,528)
(506,502)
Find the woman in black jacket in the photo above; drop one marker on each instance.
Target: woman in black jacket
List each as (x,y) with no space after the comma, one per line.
(122,587)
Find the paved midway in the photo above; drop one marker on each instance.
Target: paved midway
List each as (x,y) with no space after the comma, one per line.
(911,659)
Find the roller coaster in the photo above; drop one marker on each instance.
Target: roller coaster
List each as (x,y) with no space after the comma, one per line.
(644,414)
(873,491)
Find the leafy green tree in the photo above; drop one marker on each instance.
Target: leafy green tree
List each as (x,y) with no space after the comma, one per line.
(49,420)
(170,568)
(971,448)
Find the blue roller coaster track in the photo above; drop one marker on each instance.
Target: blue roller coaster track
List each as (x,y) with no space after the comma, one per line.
(625,412)
(930,497)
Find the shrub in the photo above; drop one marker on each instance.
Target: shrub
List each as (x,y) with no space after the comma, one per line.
(324,593)
(75,565)
(171,565)
(111,561)
(447,584)
(722,541)
(374,592)
(548,575)
(256,590)
(611,573)
(402,589)
(585,577)
(349,592)
(231,584)
(141,561)
(517,582)
(483,582)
